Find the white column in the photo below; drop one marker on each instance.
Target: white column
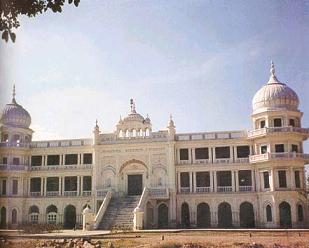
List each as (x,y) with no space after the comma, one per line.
(237,180)
(42,184)
(45,185)
(78,184)
(59,186)
(81,185)
(292,183)
(233,180)
(272,182)
(252,179)
(178,180)
(78,158)
(215,181)
(211,181)
(63,183)
(194,181)
(190,177)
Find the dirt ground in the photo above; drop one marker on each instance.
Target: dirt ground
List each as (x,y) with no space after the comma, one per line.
(203,238)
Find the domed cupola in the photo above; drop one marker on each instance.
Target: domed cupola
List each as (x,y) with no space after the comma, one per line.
(274,96)
(15,115)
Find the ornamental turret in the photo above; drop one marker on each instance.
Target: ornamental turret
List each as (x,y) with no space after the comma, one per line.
(171,129)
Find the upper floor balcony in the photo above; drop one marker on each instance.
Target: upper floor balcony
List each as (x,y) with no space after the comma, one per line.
(11,167)
(268,130)
(61,167)
(14,144)
(278,156)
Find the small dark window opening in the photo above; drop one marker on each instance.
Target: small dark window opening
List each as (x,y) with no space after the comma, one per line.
(282,179)
(262,124)
(202,179)
(87,183)
(87,158)
(70,184)
(266,179)
(297,179)
(15,187)
(201,153)
(71,159)
(244,178)
(263,149)
(3,187)
(4,160)
(52,184)
(292,122)
(35,184)
(269,216)
(279,147)
(184,179)
(224,178)
(294,148)
(277,122)
(300,213)
(15,161)
(243,151)
(222,152)
(184,154)
(53,159)
(36,160)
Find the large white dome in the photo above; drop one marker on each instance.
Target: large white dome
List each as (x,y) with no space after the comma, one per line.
(274,96)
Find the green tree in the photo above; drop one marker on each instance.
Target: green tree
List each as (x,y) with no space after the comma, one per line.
(11,9)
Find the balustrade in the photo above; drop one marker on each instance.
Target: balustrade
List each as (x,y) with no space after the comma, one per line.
(185,190)
(202,189)
(70,193)
(224,189)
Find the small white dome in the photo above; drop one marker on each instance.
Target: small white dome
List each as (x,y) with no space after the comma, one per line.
(275,95)
(15,115)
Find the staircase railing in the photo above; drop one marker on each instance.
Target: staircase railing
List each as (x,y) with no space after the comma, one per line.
(102,209)
(139,210)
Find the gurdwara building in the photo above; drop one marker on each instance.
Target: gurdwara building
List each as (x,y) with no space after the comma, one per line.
(140,178)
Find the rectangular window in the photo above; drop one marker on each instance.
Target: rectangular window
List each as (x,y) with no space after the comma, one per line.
(87,158)
(222,152)
(263,149)
(224,178)
(35,184)
(71,159)
(277,122)
(243,151)
(184,154)
(279,147)
(53,159)
(87,183)
(244,178)
(266,180)
(4,160)
(15,187)
(294,148)
(70,184)
(282,179)
(3,190)
(184,179)
(201,153)
(203,179)
(15,161)
(297,179)
(262,124)
(52,184)
(292,122)
(36,160)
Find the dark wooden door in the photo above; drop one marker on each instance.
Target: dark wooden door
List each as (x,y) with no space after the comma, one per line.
(135,184)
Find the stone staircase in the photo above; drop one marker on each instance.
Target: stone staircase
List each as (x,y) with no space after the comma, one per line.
(119,213)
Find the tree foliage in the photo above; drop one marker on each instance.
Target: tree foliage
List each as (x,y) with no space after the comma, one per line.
(11,9)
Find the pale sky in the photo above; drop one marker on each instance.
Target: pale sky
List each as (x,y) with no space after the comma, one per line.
(201,61)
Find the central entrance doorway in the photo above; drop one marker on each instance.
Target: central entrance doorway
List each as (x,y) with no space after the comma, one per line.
(135,184)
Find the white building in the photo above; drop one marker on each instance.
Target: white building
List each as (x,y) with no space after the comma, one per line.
(212,179)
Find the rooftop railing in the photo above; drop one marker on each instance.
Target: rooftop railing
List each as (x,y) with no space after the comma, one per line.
(61,143)
(266,130)
(210,135)
(278,156)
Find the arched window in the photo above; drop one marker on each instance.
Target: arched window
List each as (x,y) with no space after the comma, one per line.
(14,216)
(34,214)
(300,213)
(51,212)
(269,216)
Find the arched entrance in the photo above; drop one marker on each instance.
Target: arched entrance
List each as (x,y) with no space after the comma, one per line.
(224,215)
(162,216)
(150,216)
(285,215)
(203,215)
(246,215)
(185,215)
(69,217)
(14,216)
(3,218)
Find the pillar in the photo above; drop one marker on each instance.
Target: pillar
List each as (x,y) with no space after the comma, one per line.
(42,185)
(211,181)
(45,185)
(190,177)
(236,181)
(81,185)
(178,180)
(78,185)
(215,181)
(233,181)
(63,184)
(59,187)
(194,181)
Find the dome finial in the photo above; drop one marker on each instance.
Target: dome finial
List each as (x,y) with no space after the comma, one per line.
(132,105)
(272,69)
(14,94)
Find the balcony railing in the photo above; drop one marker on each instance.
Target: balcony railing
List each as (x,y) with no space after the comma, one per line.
(224,188)
(35,194)
(86,193)
(60,167)
(185,190)
(201,161)
(184,162)
(70,193)
(52,193)
(13,167)
(223,161)
(242,160)
(245,188)
(278,156)
(14,144)
(265,130)
(202,189)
